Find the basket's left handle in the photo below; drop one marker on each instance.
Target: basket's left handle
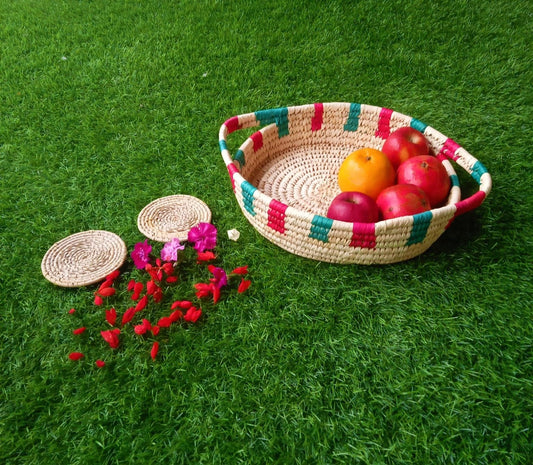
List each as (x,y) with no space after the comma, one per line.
(233,124)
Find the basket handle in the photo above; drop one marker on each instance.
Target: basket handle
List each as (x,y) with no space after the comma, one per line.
(477,171)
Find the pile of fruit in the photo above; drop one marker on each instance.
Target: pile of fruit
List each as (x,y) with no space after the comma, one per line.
(401,179)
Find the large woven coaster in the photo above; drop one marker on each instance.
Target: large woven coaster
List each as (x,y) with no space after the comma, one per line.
(173,216)
(83,258)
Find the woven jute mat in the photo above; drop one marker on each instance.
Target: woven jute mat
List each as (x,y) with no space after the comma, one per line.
(83,258)
(172,217)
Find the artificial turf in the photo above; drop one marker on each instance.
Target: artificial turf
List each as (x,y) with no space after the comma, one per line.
(106,106)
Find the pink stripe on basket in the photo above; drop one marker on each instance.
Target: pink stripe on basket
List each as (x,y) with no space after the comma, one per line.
(383,129)
(232,169)
(470,203)
(364,235)
(317,120)
(233,124)
(276,216)
(448,150)
(257,138)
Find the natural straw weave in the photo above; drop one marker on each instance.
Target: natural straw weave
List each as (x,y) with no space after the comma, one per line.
(83,258)
(284,177)
(172,217)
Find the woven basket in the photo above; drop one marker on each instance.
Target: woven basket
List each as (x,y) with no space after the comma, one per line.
(284,177)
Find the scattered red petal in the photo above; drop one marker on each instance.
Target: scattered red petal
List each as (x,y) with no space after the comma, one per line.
(168,268)
(128,315)
(243,285)
(155,349)
(107,283)
(113,275)
(100,363)
(79,330)
(176,315)
(240,270)
(193,314)
(158,262)
(171,279)
(111,337)
(164,322)
(205,256)
(98,300)
(203,290)
(140,329)
(72,310)
(131,284)
(216,293)
(155,330)
(111,316)
(107,291)
(158,295)
(75,355)
(141,305)
(185,304)
(151,287)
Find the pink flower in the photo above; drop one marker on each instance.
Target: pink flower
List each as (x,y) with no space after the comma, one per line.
(169,252)
(204,237)
(141,254)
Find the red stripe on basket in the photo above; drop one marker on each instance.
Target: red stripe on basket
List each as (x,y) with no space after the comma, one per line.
(233,124)
(383,129)
(448,150)
(364,235)
(257,138)
(318,119)
(232,169)
(276,216)
(470,203)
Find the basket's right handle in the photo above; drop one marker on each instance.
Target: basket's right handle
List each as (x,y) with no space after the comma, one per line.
(453,151)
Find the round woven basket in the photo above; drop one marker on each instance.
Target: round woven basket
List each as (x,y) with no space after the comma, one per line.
(284,176)
(83,258)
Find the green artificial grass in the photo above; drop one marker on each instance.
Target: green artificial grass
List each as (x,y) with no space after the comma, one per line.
(106,106)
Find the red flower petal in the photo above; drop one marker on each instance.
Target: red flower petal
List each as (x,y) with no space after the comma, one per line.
(113,275)
(203,290)
(185,304)
(107,291)
(141,305)
(240,270)
(138,288)
(100,363)
(75,355)
(168,268)
(243,285)
(158,261)
(171,279)
(79,330)
(216,293)
(193,314)
(150,287)
(155,330)
(164,322)
(105,284)
(140,329)
(155,349)
(147,324)
(111,316)
(176,315)
(206,256)
(72,310)
(128,315)
(158,295)
(98,300)
(131,284)
(111,337)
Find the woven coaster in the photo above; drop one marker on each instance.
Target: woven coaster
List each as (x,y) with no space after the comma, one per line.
(83,258)
(169,217)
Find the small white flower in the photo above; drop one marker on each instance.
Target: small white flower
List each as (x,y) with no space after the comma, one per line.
(64,58)
(233,234)
(204,75)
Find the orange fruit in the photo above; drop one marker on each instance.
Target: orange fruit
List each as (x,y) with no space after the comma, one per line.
(366,170)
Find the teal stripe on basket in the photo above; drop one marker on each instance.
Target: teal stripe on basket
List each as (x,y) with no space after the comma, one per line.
(222,144)
(353,118)
(320,227)
(421,222)
(248,197)
(454,180)
(418,125)
(280,116)
(239,156)
(478,170)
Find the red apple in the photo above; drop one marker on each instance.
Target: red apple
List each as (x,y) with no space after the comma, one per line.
(428,173)
(402,200)
(354,207)
(403,144)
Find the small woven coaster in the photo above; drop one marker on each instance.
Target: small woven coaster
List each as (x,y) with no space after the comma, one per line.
(173,216)
(83,258)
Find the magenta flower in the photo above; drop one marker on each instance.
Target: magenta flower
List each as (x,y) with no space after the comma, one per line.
(220,278)
(204,237)
(141,254)
(169,252)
